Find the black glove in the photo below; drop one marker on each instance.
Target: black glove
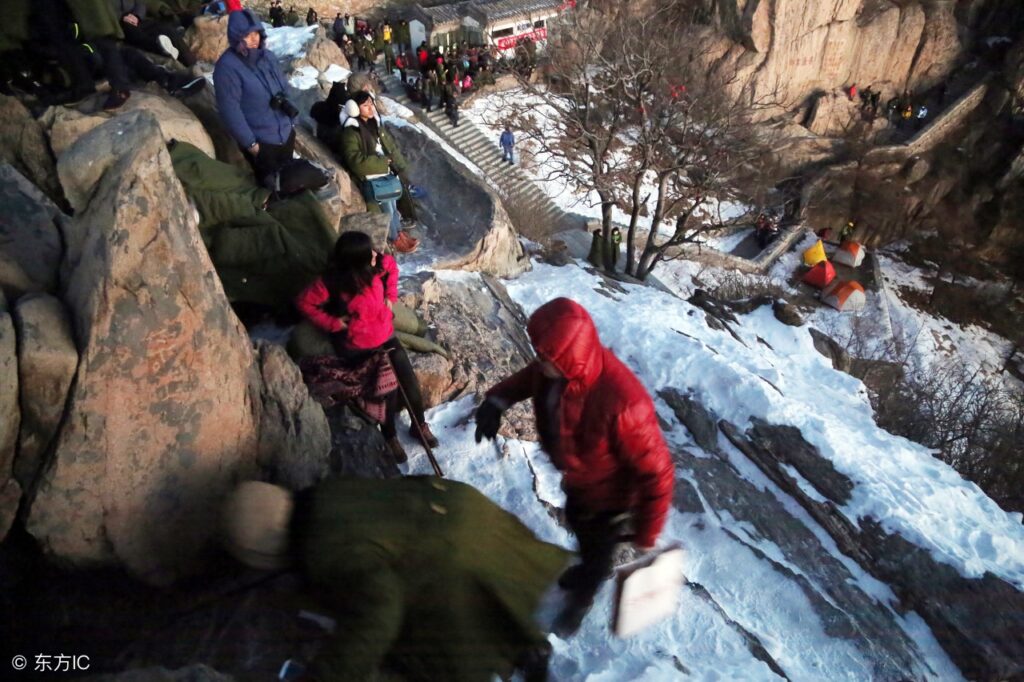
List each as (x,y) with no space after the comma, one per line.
(488,419)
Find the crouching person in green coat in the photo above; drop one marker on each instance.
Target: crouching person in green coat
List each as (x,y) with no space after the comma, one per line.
(427,578)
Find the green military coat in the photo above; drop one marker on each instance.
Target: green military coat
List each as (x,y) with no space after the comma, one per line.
(425,576)
(261,255)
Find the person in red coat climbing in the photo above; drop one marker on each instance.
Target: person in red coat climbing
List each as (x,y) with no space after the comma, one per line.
(597,423)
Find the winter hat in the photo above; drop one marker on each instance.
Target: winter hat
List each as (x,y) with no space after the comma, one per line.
(256,520)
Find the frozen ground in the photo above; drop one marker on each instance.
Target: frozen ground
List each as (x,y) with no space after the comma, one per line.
(668,344)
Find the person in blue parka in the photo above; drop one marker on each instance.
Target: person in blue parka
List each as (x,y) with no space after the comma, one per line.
(252,97)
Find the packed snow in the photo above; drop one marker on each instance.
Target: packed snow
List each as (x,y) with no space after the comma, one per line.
(487,112)
(304,78)
(288,42)
(668,344)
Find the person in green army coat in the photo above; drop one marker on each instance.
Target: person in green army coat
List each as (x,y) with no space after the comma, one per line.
(426,578)
(369,151)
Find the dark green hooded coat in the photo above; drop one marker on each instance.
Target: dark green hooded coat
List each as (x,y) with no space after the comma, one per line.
(425,575)
(96,19)
(352,143)
(262,256)
(14,29)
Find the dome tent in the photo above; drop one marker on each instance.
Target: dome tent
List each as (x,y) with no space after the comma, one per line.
(815,254)
(820,276)
(844,295)
(849,253)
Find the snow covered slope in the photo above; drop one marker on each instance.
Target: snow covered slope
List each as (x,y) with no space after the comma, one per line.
(769,592)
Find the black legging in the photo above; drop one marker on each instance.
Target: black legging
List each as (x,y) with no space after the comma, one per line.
(406,377)
(409,383)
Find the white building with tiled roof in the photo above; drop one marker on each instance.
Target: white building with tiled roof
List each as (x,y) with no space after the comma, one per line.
(502,23)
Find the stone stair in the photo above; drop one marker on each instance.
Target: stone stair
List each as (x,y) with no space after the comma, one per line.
(514,186)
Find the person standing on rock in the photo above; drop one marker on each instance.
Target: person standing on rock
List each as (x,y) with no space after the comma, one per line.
(352,302)
(276,14)
(338,28)
(598,424)
(508,143)
(311,17)
(427,579)
(292,18)
(253,103)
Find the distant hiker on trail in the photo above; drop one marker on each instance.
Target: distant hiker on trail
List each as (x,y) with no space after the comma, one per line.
(311,17)
(922,114)
(765,230)
(276,14)
(598,424)
(508,143)
(427,579)
(338,28)
(852,92)
(616,241)
(906,115)
(292,18)
(846,232)
(352,302)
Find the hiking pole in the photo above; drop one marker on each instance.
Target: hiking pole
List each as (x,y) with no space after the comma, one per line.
(419,429)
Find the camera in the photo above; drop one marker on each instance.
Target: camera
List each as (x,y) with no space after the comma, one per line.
(284,105)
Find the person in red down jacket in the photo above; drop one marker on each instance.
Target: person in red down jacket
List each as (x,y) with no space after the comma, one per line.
(352,302)
(598,424)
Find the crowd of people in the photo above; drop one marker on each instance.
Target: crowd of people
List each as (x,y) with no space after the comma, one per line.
(56,50)
(904,111)
(596,421)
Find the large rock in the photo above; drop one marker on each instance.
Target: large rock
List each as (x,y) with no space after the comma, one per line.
(320,53)
(208,37)
(47,359)
(164,414)
(295,438)
(176,121)
(484,331)
(783,51)
(462,215)
(343,197)
(30,241)
(23,145)
(10,417)
(204,105)
(971,618)
(832,113)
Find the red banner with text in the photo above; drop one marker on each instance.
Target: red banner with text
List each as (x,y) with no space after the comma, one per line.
(509,42)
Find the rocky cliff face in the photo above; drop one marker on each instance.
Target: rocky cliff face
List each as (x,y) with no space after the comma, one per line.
(784,51)
(963,181)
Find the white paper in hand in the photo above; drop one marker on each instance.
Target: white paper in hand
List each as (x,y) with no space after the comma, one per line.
(648,592)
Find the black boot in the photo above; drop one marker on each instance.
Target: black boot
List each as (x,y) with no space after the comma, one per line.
(534,663)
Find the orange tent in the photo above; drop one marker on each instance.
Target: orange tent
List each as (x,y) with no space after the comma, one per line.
(849,253)
(820,275)
(844,295)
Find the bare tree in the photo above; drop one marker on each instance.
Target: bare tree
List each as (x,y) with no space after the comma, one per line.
(627,112)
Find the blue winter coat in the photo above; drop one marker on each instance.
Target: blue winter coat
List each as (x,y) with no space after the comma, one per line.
(507,139)
(245,81)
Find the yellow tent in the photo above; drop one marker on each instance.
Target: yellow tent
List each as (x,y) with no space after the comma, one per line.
(814,255)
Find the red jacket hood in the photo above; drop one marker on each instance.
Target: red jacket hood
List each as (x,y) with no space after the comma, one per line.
(563,332)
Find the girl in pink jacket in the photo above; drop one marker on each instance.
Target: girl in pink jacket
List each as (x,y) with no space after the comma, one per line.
(352,302)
